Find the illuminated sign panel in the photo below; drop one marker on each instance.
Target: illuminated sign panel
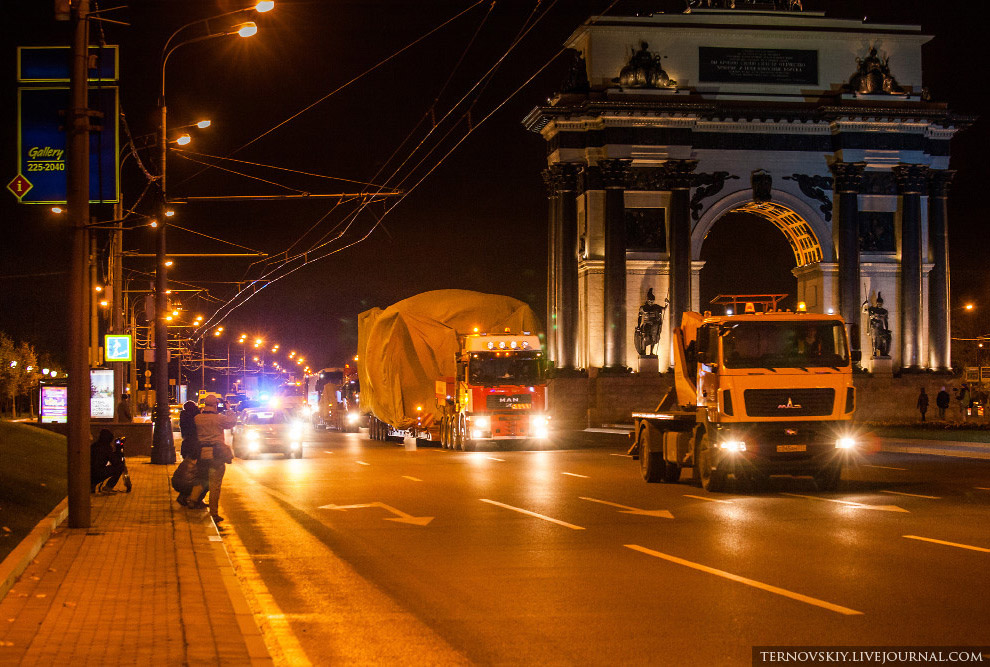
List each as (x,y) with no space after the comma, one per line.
(54,404)
(41,148)
(118,347)
(51,64)
(101,394)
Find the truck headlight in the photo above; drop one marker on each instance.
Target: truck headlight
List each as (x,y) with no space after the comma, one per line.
(733,445)
(254,445)
(539,426)
(845,443)
(481,422)
(295,431)
(352,417)
(252,435)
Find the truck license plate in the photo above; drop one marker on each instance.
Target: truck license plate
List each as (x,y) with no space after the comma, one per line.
(792,448)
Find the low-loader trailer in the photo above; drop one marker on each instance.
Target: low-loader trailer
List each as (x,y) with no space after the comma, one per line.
(755,394)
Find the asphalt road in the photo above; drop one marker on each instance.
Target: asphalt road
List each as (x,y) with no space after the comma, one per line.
(367,552)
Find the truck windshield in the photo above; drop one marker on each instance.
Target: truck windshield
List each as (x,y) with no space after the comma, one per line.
(785,345)
(494,368)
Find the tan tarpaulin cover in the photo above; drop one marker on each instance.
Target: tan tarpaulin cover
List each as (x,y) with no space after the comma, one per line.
(404,349)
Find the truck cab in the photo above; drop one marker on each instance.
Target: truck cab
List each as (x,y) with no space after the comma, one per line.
(758,393)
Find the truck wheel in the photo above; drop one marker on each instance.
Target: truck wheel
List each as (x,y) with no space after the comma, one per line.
(712,479)
(459,434)
(650,460)
(828,477)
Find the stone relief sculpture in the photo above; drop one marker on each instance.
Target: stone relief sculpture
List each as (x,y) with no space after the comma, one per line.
(873,76)
(762,181)
(707,185)
(879,331)
(815,187)
(649,325)
(644,71)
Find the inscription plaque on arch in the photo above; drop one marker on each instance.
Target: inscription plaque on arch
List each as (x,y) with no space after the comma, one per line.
(733,65)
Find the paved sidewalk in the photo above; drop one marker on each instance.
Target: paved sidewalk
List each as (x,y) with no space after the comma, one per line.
(148,583)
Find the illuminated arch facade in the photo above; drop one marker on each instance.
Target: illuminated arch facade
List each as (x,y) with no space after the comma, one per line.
(668,122)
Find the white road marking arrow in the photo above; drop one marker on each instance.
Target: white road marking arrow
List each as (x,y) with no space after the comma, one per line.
(661,514)
(849,503)
(401,517)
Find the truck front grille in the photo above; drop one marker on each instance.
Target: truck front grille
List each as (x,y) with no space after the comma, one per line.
(789,402)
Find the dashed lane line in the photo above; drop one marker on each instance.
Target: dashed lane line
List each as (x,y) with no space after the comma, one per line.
(850,503)
(948,544)
(533,514)
(885,467)
(574,474)
(327,451)
(913,495)
(415,479)
(711,500)
(748,582)
(983,488)
(362,463)
(493,458)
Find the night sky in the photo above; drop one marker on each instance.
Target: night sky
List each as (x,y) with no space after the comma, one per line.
(478,221)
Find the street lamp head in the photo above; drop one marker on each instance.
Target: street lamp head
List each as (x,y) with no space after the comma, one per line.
(57,210)
(169,213)
(183,140)
(264,6)
(203,124)
(969,306)
(246,29)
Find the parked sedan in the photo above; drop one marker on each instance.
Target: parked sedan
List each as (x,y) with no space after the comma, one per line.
(266,431)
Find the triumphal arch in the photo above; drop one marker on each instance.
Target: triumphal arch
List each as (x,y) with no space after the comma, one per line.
(819,125)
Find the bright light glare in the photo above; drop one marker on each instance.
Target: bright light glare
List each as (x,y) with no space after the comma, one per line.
(169,213)
(482,422)
(845,443)
(733,445)
(57,209)
(264,6)
(182,141)
(203,124)
(247,29)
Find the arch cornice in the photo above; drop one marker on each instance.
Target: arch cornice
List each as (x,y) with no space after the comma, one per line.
(734,200)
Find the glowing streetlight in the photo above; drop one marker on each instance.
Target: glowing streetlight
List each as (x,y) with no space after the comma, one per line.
(264,6)
(246,29)
(182,141)
(169,213)
(203,124)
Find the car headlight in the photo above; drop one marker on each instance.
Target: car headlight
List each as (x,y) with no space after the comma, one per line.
(254,445)
(845,443)
(733,445)
(296,431)
(294,445)
(252,435)
(352,417)
(305,411)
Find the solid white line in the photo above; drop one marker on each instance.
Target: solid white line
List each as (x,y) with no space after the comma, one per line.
(415,479)
(492,458)
(625,456)
(534,514)
(913,495)
(885,467)
(749,582)
(362,463)
(711,500)
(949,544)
(574,474)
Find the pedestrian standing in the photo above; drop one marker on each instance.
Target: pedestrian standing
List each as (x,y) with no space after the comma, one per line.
(209,428)
(942,402)
(124,410)
(922,403)
(964,398)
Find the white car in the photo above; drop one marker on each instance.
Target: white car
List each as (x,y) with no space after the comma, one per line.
(267,431)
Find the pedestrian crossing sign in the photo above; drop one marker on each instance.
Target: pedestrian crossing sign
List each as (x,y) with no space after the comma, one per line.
(118,347)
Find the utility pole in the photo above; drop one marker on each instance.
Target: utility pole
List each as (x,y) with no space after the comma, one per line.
(77,203)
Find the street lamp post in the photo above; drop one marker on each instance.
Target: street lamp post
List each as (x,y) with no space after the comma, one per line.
(163,447)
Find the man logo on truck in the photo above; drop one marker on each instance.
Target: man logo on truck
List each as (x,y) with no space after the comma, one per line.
(789,405)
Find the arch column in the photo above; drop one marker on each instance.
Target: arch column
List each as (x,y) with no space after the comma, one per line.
(553,199)
(848,181)
(564,182)
(911,182)
(615,175)
(939,356)
(680,177)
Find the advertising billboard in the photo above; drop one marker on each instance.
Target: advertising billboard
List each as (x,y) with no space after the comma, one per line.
(101,394)
(54,404)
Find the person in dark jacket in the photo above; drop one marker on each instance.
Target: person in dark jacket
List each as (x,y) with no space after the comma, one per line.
(922,403)
(191,450)
(104,468)
(942,402)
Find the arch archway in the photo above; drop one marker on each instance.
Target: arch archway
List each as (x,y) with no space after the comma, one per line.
(807,233)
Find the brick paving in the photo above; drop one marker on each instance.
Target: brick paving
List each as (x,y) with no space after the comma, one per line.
(148,583)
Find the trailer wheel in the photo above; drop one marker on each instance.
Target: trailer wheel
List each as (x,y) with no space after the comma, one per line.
(828,477)
(712,479)
(650,460)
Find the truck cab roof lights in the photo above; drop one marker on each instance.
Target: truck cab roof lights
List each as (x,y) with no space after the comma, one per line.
(750,308)
(802,307)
